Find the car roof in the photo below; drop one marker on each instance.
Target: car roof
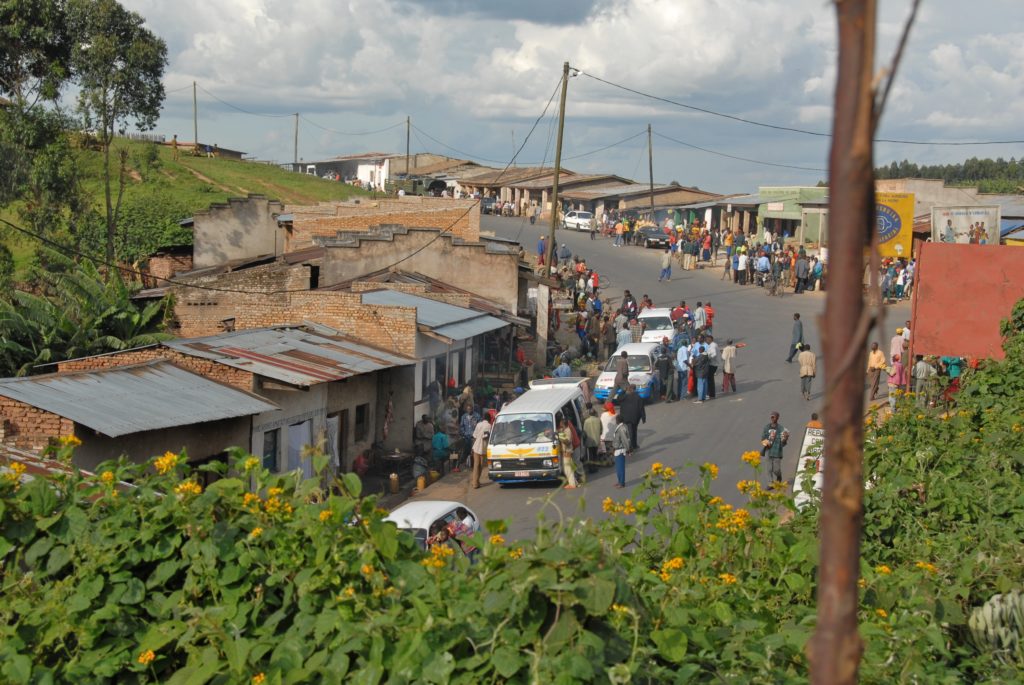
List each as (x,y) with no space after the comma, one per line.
(548,383)
(636,348)
(656,311)
(542,399)
(421,513)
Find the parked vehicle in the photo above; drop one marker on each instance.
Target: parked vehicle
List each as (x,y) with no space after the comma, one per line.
(523,446)
(642,374)
(487,205)
(580,382)
(653,236)
(424,519)
(577,220)
(657,325)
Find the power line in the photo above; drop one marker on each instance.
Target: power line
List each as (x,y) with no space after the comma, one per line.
(742,159)
(245,111)
(455,149)
(351,133)
(790,129)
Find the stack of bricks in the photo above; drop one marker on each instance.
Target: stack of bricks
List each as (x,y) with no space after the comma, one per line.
(162,266)
(457,299)
(207,368)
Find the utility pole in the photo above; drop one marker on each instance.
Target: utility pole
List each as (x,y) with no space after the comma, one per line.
(513,147)
(650,167)
(558,168)
(295,154)
(408,126)
(195,120)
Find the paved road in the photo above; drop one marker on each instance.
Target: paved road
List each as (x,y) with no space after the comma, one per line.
(679,433)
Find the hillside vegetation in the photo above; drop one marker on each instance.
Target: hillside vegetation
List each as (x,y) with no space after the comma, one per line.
(161,191)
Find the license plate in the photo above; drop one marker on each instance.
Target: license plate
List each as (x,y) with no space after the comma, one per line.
(522,474)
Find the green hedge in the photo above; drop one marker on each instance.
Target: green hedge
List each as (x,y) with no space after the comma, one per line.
(264,578)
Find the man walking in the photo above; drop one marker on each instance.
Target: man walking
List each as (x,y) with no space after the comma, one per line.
(481,435)
(621,375)
(729,366)
(666,266)
(631,409)
(701,365)
(797,339)
(808,369)
(621,446)
(592,430)
(876,363)
(713,363)
(802,270)
(773,438)
(541,251)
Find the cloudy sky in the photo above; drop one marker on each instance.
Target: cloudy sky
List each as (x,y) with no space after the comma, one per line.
(475,75)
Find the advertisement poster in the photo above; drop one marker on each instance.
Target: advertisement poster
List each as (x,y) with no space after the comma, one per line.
(894,219)
(969,225)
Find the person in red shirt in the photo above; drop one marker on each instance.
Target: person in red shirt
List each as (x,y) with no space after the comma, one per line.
(709,314)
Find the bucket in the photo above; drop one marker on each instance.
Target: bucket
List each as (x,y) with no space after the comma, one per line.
(393,483)
(421,483)
(434,475)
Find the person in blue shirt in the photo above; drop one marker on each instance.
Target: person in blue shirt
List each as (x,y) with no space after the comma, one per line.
(682,369)
(541,251)
(440,447)
(597,305)
(763,264)
(563,370)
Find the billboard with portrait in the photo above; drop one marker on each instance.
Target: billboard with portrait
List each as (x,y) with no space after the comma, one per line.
(968,224)
(894,221)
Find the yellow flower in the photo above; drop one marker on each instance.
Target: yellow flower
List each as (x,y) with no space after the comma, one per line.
(620,609)
(882,569)
(868,421)
(752,457)
(258,679)
(608,505)
(668,473)
(107,477)
(70,441)
(715,501)
(497,540)
(926,566)
(256,532)
(861,583)
(166,462)
(920,416)
(727,578)
(366,570)
(710,469)
(251,501)
(13,476)
(274,492)
(147,657)
(882,613)
(251,463)
(188,487)
(516,553)
(325,515)
(657,467)
(349,591)
(673,564)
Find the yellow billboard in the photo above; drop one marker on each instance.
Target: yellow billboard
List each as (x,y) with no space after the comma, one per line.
(894,221)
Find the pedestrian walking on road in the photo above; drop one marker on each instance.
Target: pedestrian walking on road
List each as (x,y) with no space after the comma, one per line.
(621,441)
(876,364)
(632,411)
(592,430)
(773,438)
(797,339)
(481,435)
(713,364)
(666,266)
(808,369)
(896,381)
(729,366)
(607,433)
(565,443)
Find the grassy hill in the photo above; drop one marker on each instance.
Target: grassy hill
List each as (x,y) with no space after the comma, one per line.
(161,191)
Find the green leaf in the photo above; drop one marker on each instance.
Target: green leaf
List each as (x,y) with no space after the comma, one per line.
(439,669)
(506,661)
(671,644)
(236,651)
(384,537)
(596,594)
(18,668)
(134,592)
(795,581)
(58,559)
(353,484)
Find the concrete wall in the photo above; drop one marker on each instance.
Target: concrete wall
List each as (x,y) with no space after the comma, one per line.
(296,406)
(680,196)
(468,266)
(459,221)
(929,193)
(30,428)
(240,229)
(163,266)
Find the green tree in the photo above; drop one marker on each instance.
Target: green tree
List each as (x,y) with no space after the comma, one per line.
(79,313)
(118,65)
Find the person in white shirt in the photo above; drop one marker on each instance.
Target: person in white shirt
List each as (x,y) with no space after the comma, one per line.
(682,370)
(741,267)
(607,432)
(712,352)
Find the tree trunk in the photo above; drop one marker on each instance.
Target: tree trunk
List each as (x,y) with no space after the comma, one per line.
(836,647)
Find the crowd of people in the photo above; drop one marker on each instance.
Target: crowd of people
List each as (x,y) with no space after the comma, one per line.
(932,380)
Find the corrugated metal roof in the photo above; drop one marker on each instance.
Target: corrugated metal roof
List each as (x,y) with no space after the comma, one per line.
(457,323)
(132,399)
(290,355)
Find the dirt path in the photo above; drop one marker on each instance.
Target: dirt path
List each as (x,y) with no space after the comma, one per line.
(207,179)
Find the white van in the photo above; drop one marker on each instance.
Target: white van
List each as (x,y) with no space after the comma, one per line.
(642,374)
(657,324)
(523,446)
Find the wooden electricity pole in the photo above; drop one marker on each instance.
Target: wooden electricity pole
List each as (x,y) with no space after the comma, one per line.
(558,169)
(295,149)
(650,167)
(195,120)
(408,126)
(836,647)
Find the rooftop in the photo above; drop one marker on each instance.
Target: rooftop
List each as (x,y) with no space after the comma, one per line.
(132,399)
(439,318)
(291,355)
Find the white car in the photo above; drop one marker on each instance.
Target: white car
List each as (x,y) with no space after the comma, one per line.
(641,372)
(578,220)
(425,518)
(657,325)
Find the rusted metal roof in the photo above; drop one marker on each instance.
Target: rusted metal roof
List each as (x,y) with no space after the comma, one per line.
(132,399)
(291,355)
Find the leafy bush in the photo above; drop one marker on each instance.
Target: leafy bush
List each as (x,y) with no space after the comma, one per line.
(262,577)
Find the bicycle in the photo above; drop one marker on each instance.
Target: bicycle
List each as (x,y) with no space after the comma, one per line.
(772,286)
